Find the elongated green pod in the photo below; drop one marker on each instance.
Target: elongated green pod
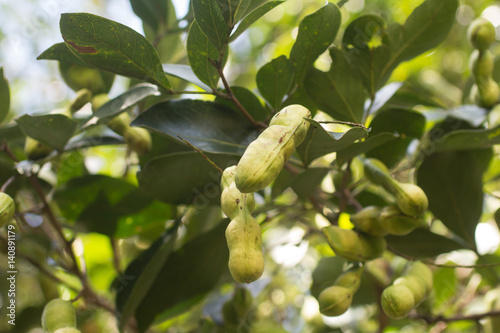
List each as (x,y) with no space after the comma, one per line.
(35,150)
(367,220)
(481,64)
(422,271)
(350,279)
(244,241)
(335,300)
(7,209)
(138,139)
(232,200)
(397,301)
(393,220)
(481,33)
(58,314)
(352,245)
(82,97)
(265,157)
(98,101)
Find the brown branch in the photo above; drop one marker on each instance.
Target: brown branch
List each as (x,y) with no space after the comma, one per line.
(437,319)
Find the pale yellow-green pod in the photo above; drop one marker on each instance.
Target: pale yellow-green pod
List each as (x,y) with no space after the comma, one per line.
(416,286)
(367,220)
(411,199)
(265,157)
(244,241)
(335,300)
(67,330)
(397,301)
(82,97)
(481,64)
(232,200)
(119,124)
(422,271)
(7,209)
(98,101)
(350,279)
(481,33)
(138,139)
(395,222)
(485,92)
(35,150)
(58,314)
(352,245)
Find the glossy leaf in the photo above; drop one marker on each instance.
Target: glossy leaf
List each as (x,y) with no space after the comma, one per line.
(151,12)
(199,265)
(111,46)
(469,139)
(305,183)
(338,92)
(382,97)
(234,10)
(274,80)
(200,50)
(209,17)
(51,129)
(319,142)
(131,295)
(422,243)
(374,141)
(317,32)
(250,102)
(61,52)
(452,182)
(252,17)
(184,178)
(185,72)
(4,96)
(208,126)
(87,141)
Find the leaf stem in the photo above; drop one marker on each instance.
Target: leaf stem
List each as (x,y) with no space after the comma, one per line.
(349,123)
(201,153)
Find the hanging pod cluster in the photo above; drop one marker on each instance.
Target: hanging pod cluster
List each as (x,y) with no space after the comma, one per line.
(7,209)
(337,298)
(261,163)
(59,316)
(485,92)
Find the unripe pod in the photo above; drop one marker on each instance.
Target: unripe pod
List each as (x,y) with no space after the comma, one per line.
(481,64)
(397,301)
(264,158)
(67,330)
(396,223)
(352,245)
(422,271)
(7,209)
(485,93)
(229,314)
(35,150)
(232,200)
(350,279)
(367,220)
(98,101)
(120,124)
(82,97)
(244,241)
(80,77)
(58,314)
(335,300)
(416,285)
(378,174)
(411,199)
(481,33)
(242,301)
(138,139)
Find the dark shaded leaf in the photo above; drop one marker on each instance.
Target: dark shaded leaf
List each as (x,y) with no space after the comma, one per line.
(111,46)
(319,142)
(51,129)
(206,125)
(469,139)
(489,273)
(338,92)
(250,102)
(452,182)
(382,97)
(184,178)
(211,21)
(274,80)
(372,142)
(317,32)
(361,30)
(4,96)
(305,183)
(252,17)
(152,13)
(422,243)
(145,221)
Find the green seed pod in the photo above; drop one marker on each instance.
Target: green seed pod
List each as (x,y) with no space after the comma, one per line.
(35,150)
(7,209)
(378,174)
(481,64)
(229,314)
(411,199)
(82,97)
(367,220)
(67,330)
(244,241)
(138,139)
(242,301)
(351,279)
(80,77)
(485,93)
(232,200)
(352,245)
(340,177)
(423,272)
(264,158)
(481,33)
(397,301)
(98,101)
(58,314)
(416,286)
(396,223)
(120,124)
(335,300)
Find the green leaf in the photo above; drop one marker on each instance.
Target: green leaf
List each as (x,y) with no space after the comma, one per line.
(93,140)
(111,46)
(338,92)
(69,166)
(208,126)
(374,141)
(121,103)
(361,30)
(51,129)
(233,10)
(145,221)
(452,182)
(250,102)
(408,124)
(209,17)
(186,73)
(490,274)
(130,296)
(184,178)
(317,32)
(252,17)
(326,272)
(305,183)
(445,285)
(151,12)
(61,52)
(319,142)
(200,50)
(274,80)
(469,139)
(4,96)
(198,266)
(382,97)
(422,243)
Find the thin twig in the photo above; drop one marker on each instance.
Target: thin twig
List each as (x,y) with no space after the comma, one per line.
(202,154)
(8,182)
(349,123)
(433,320)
